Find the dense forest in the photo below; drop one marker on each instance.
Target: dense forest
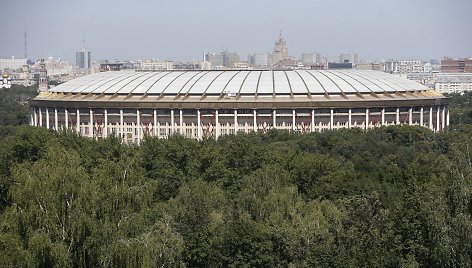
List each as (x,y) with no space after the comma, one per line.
(394,196)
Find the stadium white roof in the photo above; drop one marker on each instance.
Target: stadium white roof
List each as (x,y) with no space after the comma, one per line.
(240,82)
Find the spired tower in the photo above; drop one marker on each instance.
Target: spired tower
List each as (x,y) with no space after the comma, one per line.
(43,76)
(280,50)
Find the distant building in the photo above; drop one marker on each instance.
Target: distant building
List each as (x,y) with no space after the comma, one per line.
(58,67)
(339,65)
(260,60)
(241,66)
(280,51)
(43,76)
(407,66)
(278,59)
(230,58)
(369,66)
(391,66)
(456,65)
(222,59)
(349,58)
(453,82)
(82,59)
(422,78)
(311,58)
(25,72)
(205,65)
(150,65)
(104,67)
(215,59)
(6,81)
(411,66)
(192,65)
(12,64)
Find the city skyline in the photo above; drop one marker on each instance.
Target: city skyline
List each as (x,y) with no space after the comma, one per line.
(183,30)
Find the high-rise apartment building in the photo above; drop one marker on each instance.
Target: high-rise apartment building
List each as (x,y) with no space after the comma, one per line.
(349,58)
(261,59)
(230,58)
(222,59)
(82,59)
(311,58)
(216,59)
(456,65)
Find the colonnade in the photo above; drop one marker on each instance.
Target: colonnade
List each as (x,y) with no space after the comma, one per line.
(133,124)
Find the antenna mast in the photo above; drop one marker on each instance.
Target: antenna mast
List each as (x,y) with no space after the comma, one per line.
(26,50)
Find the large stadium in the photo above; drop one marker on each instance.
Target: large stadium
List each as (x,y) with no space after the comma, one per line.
(199,104)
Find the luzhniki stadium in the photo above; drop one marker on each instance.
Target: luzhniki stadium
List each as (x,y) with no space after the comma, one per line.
(199,104)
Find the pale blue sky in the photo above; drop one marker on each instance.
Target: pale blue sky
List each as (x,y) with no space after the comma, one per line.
(184,29)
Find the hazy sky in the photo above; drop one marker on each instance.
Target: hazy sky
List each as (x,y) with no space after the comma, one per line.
(183,30)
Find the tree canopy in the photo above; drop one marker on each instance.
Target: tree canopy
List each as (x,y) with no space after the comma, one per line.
(392,196)
(396,196)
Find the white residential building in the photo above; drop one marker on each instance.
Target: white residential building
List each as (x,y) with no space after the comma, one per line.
(311,58)
(12,64)
(453,82)
(150,65)
(349,57)
(261,59)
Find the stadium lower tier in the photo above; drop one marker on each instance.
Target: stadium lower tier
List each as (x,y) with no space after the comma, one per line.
(132,125)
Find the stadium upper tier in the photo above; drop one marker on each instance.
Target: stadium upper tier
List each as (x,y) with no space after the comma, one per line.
(240,83)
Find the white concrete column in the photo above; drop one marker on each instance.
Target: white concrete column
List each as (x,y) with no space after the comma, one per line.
(172,129)
(41,117)
(443,118)
(66,114)
(217,124)
(47,118)
(349,122)
(331,119)
(31,116)
(77,127)
(35,117)
(91,128)
(383,116)
(294,122)
(56,120)
(410,116)
(312,127)
(122,128)
(421,116)
(138,124)
(105,124)
(447,119)
(398,116)
(431,118)
(199,129)
(438,114)
(181,122)
(154,127)
(235,121)
(274,118)
(367,118)
(255,120)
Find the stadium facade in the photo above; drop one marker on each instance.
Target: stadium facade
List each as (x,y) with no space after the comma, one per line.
(199,104)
